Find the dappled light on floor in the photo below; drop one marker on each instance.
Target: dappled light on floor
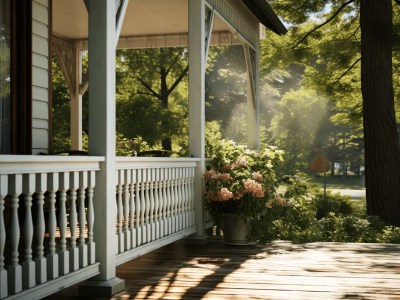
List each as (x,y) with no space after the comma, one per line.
(277,270)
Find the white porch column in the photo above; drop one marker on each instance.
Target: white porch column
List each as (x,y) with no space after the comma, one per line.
(102,143)
(197,62)
(258,100)
(253,122)
(76,102)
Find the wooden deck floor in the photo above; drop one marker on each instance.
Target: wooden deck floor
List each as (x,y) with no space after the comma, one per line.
(277,270)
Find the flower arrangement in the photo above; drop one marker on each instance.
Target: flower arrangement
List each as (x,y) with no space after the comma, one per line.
(241,181)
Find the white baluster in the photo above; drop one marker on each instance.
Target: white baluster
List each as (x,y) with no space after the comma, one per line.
(192,195)
(157,206)
(132,214)
(161,187)
(139,197)
(83,250)
(63,254)
(40,260)
(174,200)
(180,198)
(90,218)
(152,231)
(169,201)
(15,270)
(52,256)
(73,250)
(185,204)
(127,233)
(28,266)
(187,201)
(120,180)
(146,205)
(3,271)
(189,211)
(178,189)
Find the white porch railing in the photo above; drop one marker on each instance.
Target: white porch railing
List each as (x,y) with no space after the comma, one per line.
(155,203)
(46,224)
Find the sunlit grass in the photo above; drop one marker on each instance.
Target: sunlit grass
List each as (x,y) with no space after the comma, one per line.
(351,182)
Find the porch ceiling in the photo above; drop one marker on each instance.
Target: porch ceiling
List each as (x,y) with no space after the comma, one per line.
(143,17)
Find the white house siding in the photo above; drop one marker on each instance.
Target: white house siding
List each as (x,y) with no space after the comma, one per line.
(40,76)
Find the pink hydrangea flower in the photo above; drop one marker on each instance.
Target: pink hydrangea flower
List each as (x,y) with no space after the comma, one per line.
(257,176)
(209,174)
(224,195)
(241,161)
(254,188)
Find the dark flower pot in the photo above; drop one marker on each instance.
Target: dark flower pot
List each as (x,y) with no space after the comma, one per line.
(235,230)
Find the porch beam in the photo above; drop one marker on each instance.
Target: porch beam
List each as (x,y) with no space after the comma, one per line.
(197,62)
(218,38)
(102,143)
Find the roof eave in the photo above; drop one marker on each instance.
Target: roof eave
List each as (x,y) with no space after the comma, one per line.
(265,15)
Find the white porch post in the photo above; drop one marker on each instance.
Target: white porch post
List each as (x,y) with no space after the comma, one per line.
(76,102)
(253,122)
(197,61)
(257,98)
(102,143)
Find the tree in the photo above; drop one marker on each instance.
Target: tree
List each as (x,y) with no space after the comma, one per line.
(355,29)
(61,110)
(382,152)
(301,114)
(154,73)
(226,91)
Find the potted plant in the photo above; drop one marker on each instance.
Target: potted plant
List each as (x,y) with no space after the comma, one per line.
(238,186)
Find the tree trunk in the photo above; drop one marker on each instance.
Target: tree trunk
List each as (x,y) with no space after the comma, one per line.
(382,152)
(332,169)
(166,141)
(166,144)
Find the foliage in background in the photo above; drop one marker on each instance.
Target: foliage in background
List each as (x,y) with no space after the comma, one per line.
(152,97)
(303,214)
(300,116)
(226,91)
(61,111)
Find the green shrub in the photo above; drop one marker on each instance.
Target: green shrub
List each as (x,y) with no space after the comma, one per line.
(303,214)
(332,203)
(352,229)
(389,234)
(296,187)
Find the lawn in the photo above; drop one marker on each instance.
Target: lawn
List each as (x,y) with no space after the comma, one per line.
(338,182)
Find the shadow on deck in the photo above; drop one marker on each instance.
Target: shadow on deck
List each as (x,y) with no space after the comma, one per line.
(277,270)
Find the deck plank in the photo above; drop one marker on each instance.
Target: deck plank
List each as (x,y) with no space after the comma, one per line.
(277,270)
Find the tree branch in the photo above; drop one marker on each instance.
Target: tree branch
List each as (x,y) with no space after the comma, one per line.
(347,71)
(179,79)
(175,60)
(326,22)
(148,87)
(144,93)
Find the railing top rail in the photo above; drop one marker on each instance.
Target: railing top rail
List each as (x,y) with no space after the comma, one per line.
(154,162)
(23,164)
